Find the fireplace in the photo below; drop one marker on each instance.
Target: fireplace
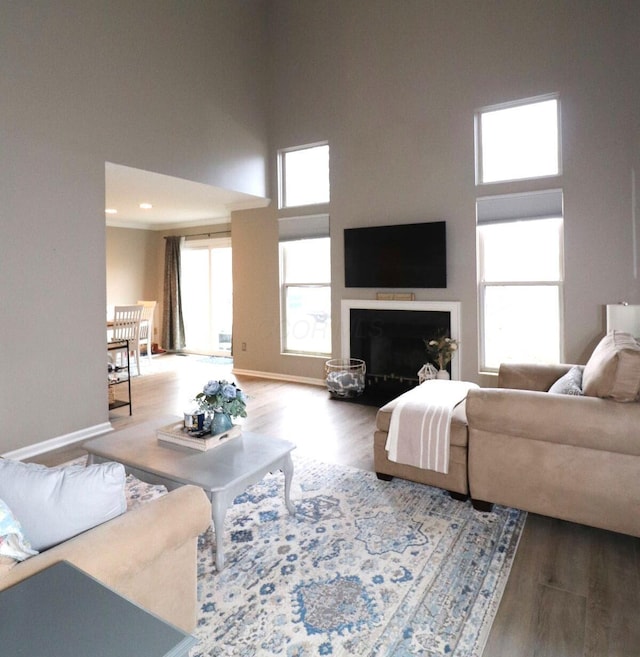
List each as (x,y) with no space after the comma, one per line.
(388,336)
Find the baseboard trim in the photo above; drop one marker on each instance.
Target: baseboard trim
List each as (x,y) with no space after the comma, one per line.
(56,443)
(280,377)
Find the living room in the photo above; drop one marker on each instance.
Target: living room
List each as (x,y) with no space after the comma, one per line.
(367,89)
(209,92)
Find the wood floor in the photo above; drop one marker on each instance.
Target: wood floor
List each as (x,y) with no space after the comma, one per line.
(574,591)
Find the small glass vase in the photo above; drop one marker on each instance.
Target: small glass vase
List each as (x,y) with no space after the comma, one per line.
(220,422)
(443,375)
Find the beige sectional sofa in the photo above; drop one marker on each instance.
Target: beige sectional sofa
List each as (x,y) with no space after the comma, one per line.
(576,458)
(525,444)
(148,554)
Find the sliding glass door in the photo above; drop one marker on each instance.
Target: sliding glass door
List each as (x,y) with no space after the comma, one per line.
(207,295)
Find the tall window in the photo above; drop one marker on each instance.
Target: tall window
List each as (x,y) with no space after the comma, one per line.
(306,296)
(519,235)
(520,271)
(519,140)
(305,251)
(303,175)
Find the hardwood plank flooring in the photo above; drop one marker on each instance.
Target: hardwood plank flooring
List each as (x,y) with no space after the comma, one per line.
(574,591)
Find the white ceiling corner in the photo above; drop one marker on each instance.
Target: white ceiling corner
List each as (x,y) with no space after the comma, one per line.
(177,203)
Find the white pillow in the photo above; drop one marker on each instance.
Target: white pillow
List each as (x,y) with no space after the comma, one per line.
(54,504)
(13,544)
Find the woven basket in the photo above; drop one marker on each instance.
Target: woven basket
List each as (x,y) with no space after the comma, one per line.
(345,377)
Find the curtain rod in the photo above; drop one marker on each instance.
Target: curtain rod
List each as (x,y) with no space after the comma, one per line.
(208,234)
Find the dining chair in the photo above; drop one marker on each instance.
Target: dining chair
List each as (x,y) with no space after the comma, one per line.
(126,326)
(146,325)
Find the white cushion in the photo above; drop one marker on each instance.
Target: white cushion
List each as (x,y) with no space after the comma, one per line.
(54,504)
(13,544)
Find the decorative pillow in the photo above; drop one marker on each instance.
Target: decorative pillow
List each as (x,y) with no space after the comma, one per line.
(613,371)
(13,544)
(569,383)
(54,504)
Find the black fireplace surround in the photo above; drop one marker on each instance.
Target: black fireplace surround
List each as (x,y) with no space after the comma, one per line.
(391,343)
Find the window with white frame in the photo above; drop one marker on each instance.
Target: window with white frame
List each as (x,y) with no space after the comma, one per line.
(520,278)
(207,294)
(519,235)
(306,296)
(303,175)
(518,140)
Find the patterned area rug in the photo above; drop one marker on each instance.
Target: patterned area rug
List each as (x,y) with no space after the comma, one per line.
(365,567)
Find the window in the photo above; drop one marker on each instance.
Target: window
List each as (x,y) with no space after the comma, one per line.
(305,251)
(518,141)
(207,295)
(303,174)
(306,296)
(520,274)
(519,236)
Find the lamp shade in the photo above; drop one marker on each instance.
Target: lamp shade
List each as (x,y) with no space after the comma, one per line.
(623,317)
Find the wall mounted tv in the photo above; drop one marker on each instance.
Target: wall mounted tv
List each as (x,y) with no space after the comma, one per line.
(404,255)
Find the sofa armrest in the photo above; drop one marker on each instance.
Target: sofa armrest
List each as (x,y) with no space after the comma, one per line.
(589,422)
(528,376)
(122,547)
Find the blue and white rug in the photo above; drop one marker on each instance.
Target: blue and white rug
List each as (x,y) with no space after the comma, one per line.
(365,568)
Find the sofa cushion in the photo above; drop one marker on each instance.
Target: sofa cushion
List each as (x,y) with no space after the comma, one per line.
(613,371)
(13,544)
(54,504)
(569,383)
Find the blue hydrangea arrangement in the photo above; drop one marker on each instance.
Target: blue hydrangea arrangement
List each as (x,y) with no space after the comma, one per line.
(223,397)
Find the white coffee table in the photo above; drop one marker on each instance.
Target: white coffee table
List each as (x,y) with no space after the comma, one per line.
(223,473)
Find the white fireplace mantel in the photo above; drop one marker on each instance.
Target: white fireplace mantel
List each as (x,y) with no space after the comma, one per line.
(452,307)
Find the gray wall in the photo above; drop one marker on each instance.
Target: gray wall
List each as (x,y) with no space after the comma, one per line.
(132,271)
(181,87)
(172,87)
(393,86)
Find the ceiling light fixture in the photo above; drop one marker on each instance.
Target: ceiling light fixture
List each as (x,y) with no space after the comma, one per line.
(146,206)
(111,211)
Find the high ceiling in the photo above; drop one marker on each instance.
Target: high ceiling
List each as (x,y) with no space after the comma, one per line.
(175,202)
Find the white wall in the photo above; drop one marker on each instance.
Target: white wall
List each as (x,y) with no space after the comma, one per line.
(176,88)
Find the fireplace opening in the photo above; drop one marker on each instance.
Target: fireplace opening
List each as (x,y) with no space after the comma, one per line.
(391,343)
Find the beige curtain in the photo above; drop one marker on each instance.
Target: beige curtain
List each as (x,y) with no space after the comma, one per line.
(172,320)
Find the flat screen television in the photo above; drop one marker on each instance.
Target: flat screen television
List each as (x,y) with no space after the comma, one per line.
(403,255)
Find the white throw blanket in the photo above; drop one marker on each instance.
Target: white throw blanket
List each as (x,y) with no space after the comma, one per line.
(420,426)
